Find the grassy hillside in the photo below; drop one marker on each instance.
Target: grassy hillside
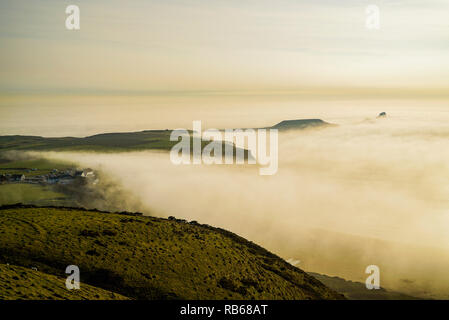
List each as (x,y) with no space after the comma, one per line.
(154,139)
(105,142)
(149,258)
(24,283)
(31,166)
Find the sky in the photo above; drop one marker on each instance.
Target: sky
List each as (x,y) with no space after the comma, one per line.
(165,47)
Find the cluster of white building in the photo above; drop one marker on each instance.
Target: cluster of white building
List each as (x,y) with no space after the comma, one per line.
(54,177)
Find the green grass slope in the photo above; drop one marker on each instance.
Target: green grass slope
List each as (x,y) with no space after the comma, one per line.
(26,284)
(126,141)
(150,258)
(30,193)
(105,142)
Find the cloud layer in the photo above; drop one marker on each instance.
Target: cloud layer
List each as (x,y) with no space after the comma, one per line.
(371,192)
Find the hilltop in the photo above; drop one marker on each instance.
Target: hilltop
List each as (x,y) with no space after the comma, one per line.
(147,258)
(301,124)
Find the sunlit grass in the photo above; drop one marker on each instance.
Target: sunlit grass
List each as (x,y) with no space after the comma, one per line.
(150,258)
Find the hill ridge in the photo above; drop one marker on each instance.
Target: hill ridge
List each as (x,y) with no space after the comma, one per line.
(158,258)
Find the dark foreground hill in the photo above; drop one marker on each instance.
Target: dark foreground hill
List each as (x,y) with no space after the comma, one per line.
(145,257)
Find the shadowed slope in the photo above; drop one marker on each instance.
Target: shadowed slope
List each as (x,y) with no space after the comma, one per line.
(23,283)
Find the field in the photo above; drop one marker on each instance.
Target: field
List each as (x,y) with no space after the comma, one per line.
(38,194)
(149,258)
(156,139)
(29,193)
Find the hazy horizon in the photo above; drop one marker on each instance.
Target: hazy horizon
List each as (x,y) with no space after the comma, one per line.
(84,116)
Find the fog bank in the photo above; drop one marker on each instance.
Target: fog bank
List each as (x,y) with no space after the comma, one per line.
(366,192)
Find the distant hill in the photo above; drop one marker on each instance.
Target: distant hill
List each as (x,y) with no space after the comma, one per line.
(357,291)
(301,124)
(146,257)
(126,141)
(123,141)
(105,142)
(24,283)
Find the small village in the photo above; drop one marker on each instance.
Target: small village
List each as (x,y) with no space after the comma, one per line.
(54,177)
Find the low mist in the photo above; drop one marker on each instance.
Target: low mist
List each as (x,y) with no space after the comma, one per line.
(368,192)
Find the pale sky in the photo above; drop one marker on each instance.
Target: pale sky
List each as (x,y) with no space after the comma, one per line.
(142,46)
